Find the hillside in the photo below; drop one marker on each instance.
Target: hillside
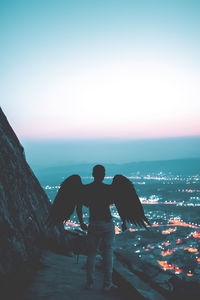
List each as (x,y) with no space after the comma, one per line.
(24,208)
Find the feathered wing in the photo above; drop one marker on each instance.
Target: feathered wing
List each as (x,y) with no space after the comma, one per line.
(66,200)
(127,201)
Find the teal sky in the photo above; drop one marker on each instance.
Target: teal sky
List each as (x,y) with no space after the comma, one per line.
(100,69)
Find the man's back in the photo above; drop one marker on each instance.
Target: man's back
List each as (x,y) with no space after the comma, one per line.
(98,198)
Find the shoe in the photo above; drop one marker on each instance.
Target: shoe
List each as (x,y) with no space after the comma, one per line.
(70,253)
(89,285)
(110,287)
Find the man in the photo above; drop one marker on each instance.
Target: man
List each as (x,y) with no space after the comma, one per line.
(101,230)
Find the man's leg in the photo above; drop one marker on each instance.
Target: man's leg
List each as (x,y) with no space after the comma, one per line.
(107,253)
(93,242)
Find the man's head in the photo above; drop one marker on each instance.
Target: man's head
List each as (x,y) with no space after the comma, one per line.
(98,172)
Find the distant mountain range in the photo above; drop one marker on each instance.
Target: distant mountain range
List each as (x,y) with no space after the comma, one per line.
(177,166)
(54,175)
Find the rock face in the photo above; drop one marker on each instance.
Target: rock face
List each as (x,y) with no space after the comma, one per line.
(24,207)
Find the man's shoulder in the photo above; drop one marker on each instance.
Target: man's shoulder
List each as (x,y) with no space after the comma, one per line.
(94,187)
(107,186)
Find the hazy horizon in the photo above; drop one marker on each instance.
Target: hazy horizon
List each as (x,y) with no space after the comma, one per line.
(44,153)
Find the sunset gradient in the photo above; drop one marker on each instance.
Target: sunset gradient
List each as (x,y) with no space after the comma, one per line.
(101,69)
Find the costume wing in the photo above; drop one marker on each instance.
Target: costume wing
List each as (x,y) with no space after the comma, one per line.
(66,200)
(127,201)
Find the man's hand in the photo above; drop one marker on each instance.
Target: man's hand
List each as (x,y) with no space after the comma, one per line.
(83,226)
(124,227)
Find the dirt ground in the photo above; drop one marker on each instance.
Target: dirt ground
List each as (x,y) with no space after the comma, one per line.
(62,278)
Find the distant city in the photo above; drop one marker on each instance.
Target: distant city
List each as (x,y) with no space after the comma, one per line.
(172,204)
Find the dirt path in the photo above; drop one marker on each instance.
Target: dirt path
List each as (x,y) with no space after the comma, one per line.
(62,278)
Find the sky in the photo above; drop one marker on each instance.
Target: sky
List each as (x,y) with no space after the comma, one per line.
(101,70)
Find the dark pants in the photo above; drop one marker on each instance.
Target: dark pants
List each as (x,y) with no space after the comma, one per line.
(100,232)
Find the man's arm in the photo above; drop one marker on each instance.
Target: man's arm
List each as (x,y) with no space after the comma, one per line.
(79,212)
(124,227)
(111,201)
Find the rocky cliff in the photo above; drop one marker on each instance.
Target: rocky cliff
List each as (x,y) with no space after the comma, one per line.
(24,208)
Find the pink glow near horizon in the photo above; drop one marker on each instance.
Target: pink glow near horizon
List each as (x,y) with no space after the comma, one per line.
(132,131)
(118,99)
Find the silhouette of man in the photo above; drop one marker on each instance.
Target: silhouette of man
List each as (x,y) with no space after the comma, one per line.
(101,230)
